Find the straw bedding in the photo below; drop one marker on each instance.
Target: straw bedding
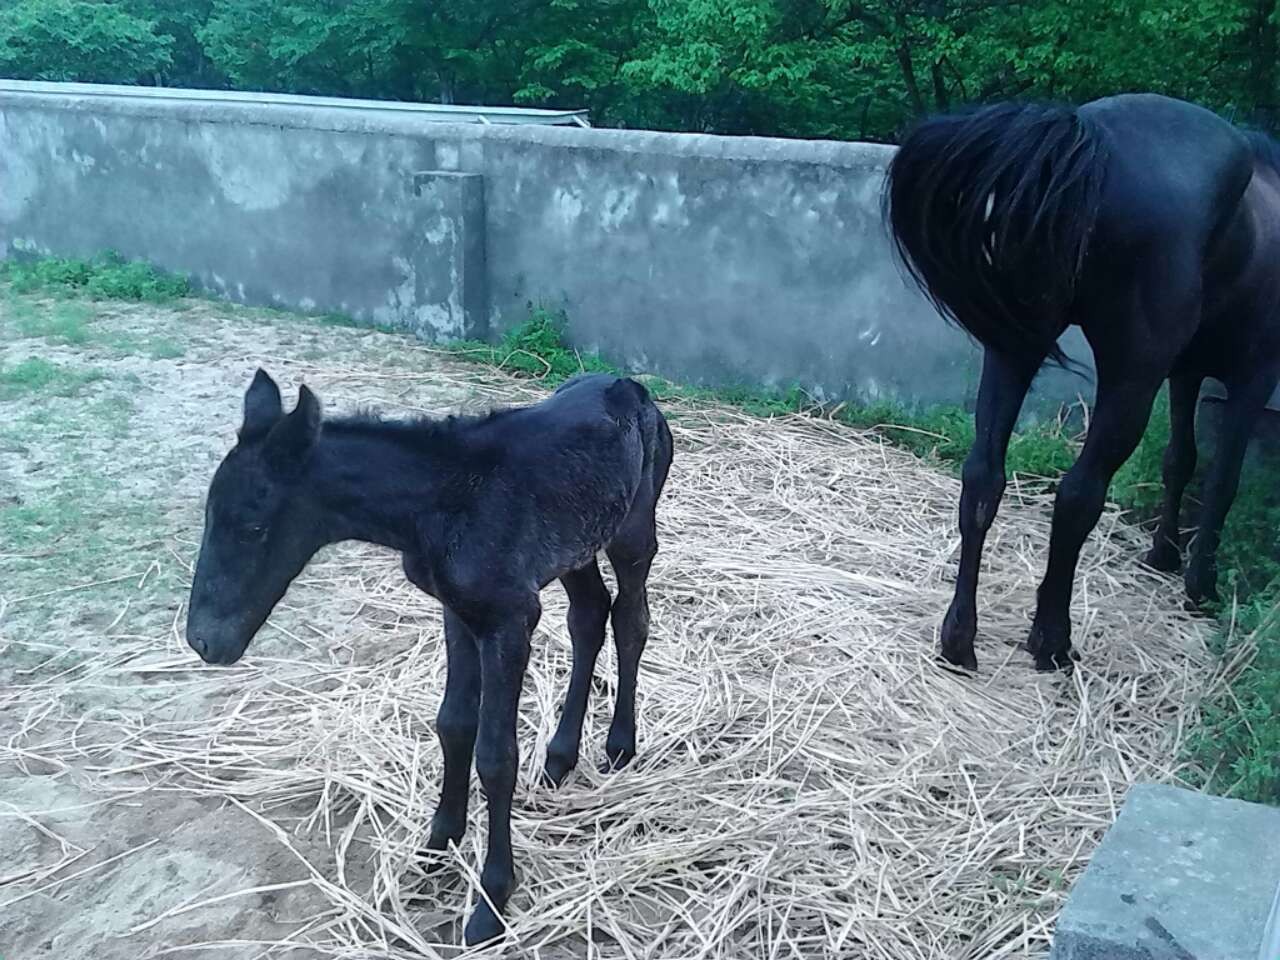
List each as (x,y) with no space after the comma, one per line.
(810,783)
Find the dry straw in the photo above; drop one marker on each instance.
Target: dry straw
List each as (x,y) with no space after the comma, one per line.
(810,783)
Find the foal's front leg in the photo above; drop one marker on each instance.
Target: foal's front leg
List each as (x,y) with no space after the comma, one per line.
(504,654)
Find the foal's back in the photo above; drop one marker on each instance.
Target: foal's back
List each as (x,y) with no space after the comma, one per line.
(572,470)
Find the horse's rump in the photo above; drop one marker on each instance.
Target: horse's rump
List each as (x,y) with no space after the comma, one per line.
(992,213)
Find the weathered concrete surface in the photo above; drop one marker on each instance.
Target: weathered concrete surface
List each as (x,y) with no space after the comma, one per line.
(709,259)
(1180,876)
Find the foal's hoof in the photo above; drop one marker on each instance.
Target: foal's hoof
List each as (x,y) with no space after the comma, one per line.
(484,925)
(1164,558)
(431,863)
(556,770)
(618,757)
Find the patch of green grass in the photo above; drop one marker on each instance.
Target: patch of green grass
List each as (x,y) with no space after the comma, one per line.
(107,277)
(156,348)
(1238,741)
(334,318)
(63,323)
(35,375)
(535,348)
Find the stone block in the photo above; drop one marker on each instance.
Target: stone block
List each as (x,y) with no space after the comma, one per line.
(1179,876)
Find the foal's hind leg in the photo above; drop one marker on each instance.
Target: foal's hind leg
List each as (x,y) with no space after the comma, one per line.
(1240,415)
(456,725)
(631,554)
(589,603)
(1179,465)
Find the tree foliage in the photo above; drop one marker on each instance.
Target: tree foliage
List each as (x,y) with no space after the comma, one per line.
(826,68)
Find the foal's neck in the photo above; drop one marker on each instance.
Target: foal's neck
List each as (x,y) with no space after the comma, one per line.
(377,482)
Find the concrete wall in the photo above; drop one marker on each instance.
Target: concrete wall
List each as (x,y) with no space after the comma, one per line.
(712,260)
(708,259)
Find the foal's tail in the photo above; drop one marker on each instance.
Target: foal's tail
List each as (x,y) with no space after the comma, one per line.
(629,400)
(991,212)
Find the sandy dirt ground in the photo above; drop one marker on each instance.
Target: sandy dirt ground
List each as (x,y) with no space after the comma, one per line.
(810,783)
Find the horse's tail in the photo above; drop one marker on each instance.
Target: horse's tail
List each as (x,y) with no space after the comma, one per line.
(1265,148)
(992,211)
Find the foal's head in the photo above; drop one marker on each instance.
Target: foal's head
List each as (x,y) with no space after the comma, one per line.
(260,527)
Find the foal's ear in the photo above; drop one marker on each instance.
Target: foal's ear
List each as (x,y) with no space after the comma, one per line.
(262,407)
(291,439)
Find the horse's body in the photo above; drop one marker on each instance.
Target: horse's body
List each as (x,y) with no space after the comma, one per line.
(1154,226)
(486,511)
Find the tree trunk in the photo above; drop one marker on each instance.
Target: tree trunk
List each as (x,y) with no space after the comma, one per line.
(909,78)
(1263,71)
(941,98)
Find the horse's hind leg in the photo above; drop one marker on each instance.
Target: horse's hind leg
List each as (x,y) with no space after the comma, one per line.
(1121,414)
(1000,395)
(1240,415)
(631,553)
(1179,466)
(589,603)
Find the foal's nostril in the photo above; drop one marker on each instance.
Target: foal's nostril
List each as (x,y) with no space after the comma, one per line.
(197,644)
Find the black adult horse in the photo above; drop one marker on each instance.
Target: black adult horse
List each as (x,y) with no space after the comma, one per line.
(1154,226)
(486,511)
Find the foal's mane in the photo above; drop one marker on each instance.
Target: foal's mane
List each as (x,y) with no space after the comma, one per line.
(420,430)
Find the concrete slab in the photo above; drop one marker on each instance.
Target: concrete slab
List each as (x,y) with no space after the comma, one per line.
(1180,876)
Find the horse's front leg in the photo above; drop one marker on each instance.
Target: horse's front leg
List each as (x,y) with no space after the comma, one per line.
(504,654)
(1120,416)
(1000,394)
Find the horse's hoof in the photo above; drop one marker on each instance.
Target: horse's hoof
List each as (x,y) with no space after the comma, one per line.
(1201,608)
(1201,581)
(1063,660)
(1166,559)
(964,659)
(483,926)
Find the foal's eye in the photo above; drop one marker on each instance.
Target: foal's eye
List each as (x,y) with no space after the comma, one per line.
(251,533)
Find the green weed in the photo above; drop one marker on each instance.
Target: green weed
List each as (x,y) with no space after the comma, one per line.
(37,375)
(108,277)
(64,323)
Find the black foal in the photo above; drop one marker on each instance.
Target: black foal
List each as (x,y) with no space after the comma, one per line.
(486,511)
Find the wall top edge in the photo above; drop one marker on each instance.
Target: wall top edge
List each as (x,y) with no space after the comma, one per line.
(376,117)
